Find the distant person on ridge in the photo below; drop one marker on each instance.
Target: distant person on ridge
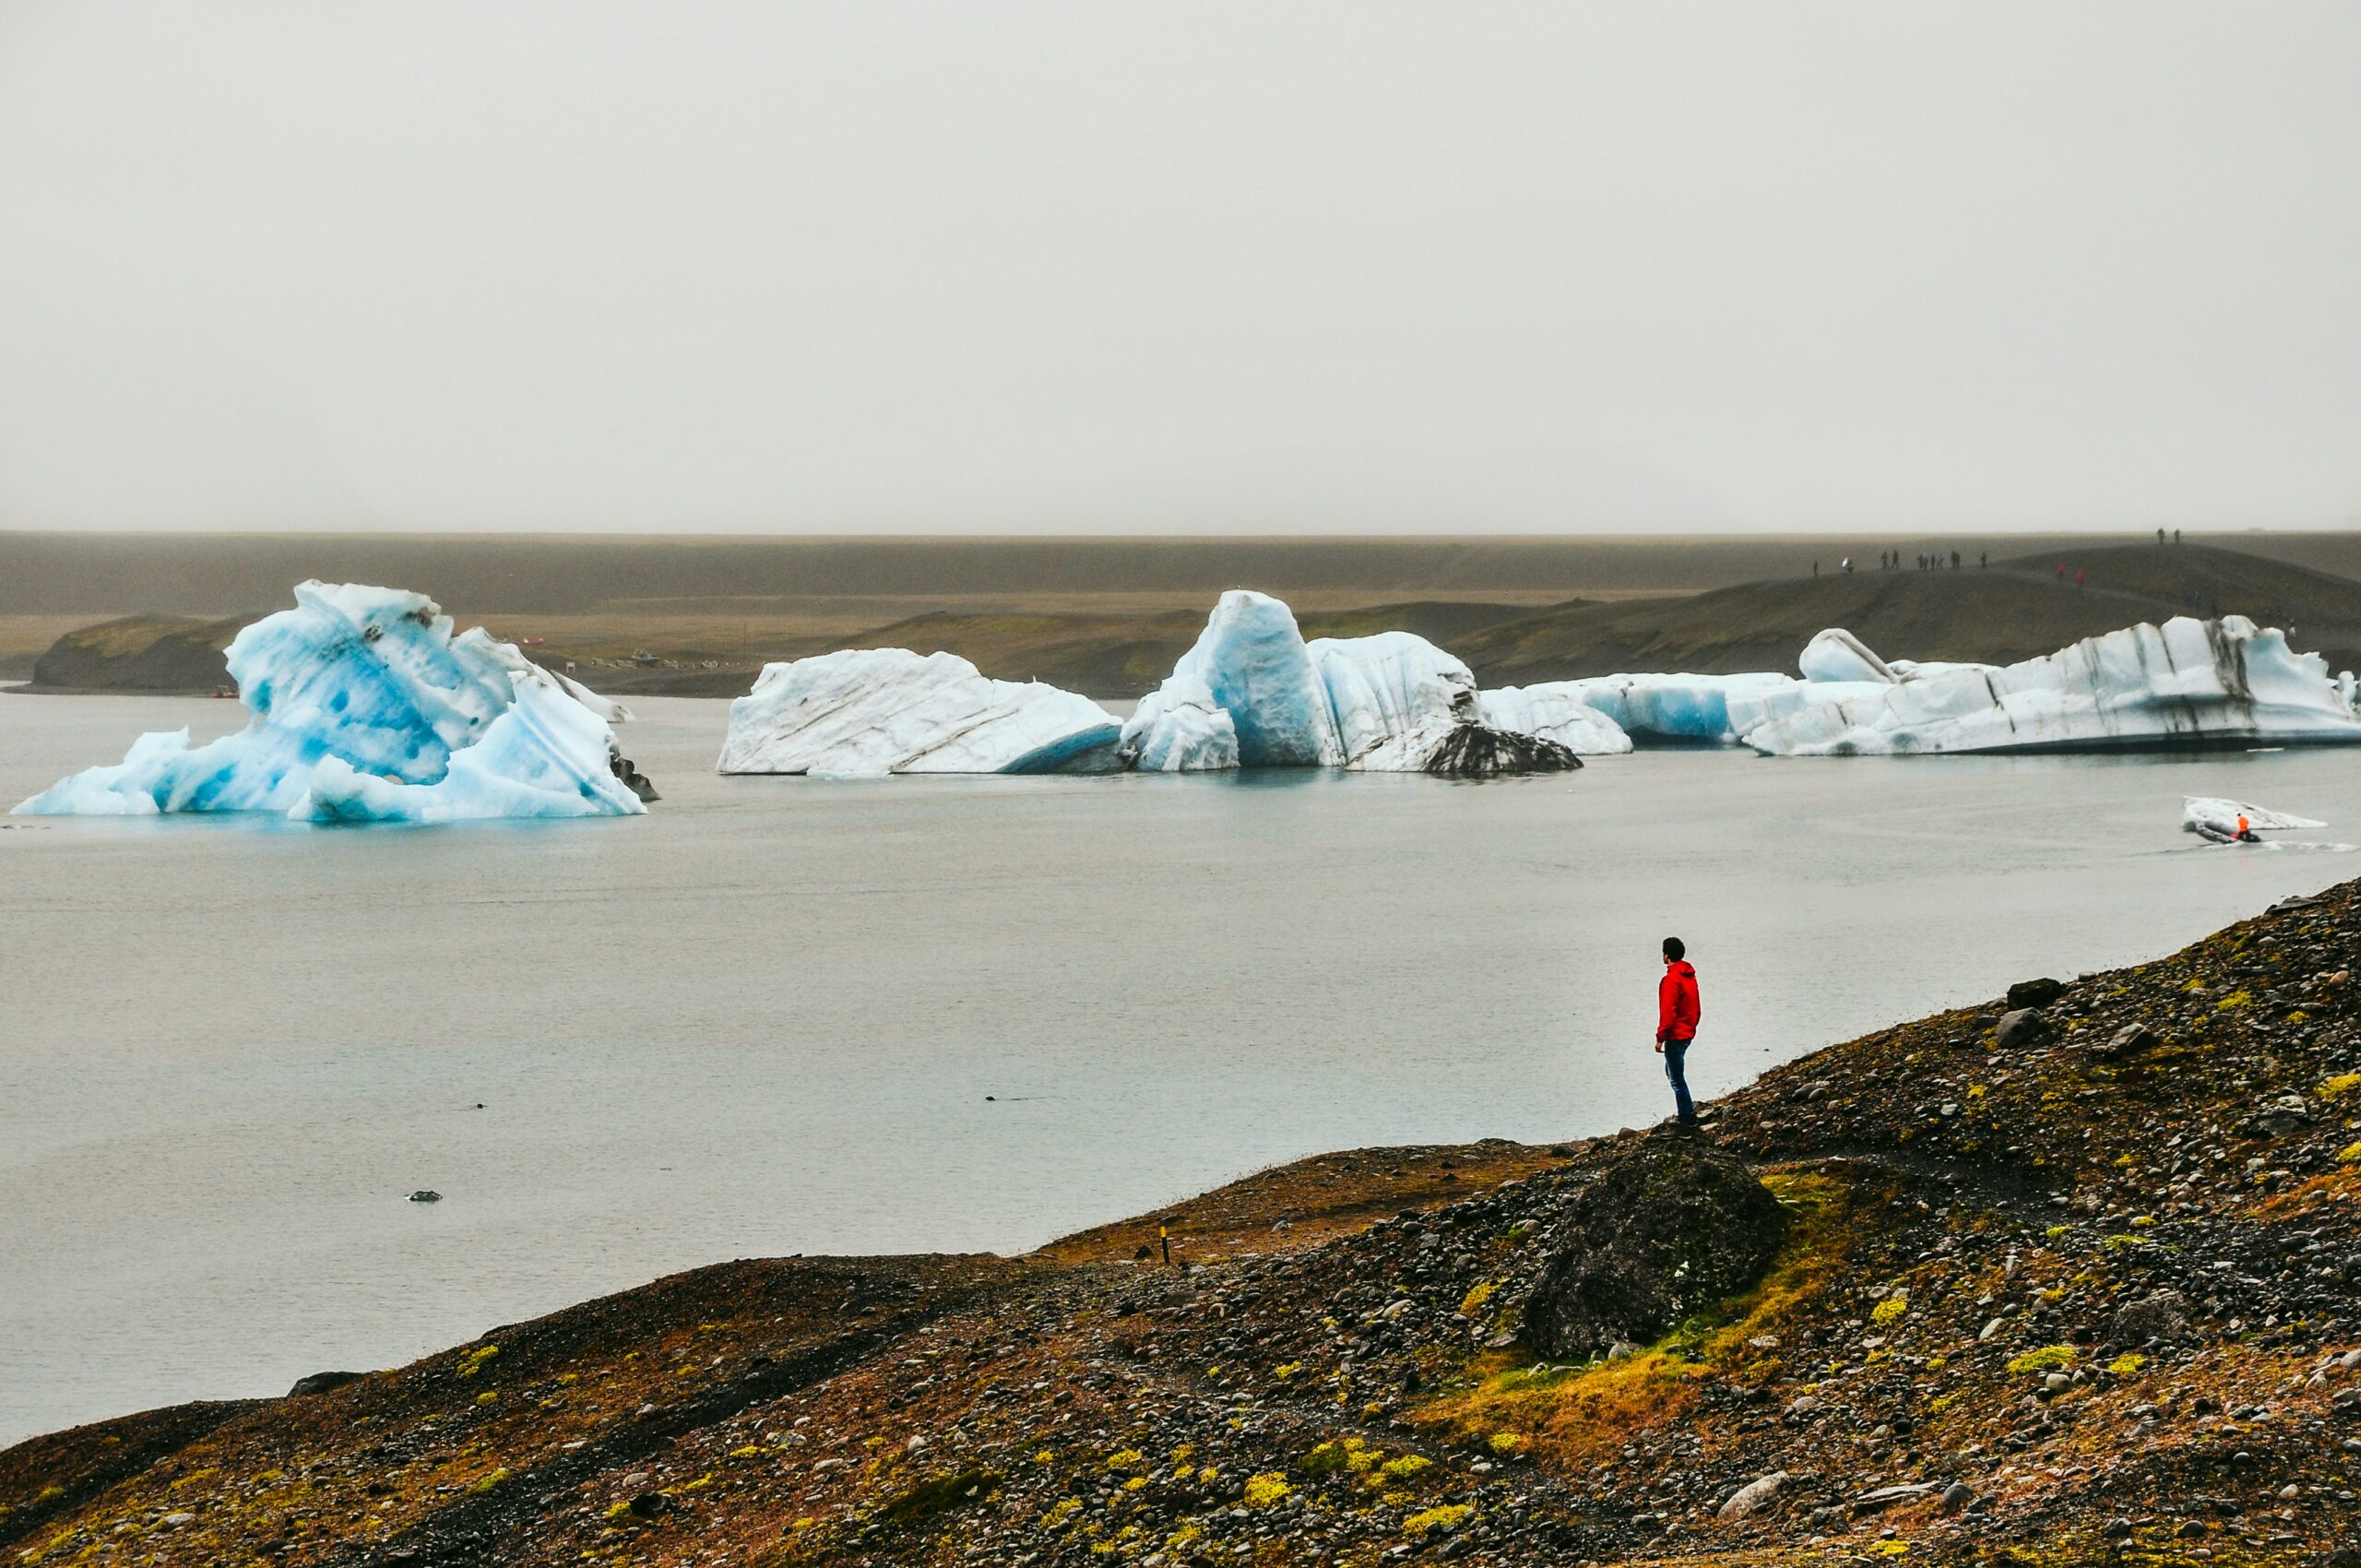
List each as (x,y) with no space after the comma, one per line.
(1677,1012)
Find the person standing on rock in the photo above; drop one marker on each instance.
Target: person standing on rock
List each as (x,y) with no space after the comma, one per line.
(1677,1012)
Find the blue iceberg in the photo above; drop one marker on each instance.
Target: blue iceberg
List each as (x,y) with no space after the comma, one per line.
(366,707)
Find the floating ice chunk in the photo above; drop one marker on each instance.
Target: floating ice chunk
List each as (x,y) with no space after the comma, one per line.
(547,756)
(1553,710)
(2188,683)
(1252,693)
(370,678)
(889,711)
(1395,698)
(1251,660)
(2218,818)
(1179,727)
(1837,655)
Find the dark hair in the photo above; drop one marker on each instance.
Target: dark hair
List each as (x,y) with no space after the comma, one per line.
(1675,948)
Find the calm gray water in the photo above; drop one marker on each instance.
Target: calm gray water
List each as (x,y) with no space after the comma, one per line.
(765,1019)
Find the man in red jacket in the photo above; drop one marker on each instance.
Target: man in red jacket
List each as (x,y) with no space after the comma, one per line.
(1676,1023)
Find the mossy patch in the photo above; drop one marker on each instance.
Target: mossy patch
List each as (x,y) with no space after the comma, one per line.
(937,1496)
(1571,1416)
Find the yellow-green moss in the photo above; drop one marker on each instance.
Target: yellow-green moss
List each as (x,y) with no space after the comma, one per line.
(1267,1490)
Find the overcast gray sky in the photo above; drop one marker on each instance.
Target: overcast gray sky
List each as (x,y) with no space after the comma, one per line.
(470,264)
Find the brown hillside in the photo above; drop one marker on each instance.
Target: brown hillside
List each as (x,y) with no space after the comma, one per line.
(2015,610)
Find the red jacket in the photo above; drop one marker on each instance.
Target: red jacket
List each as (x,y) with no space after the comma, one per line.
(1677,1007)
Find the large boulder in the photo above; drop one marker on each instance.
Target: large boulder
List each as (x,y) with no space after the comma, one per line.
(2036,992)
(1672,1226)
(2027,1026)
(2163,1315)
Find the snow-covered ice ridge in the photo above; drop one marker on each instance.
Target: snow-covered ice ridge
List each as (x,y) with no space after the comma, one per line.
(2187,682)
(366,708)
(866,712)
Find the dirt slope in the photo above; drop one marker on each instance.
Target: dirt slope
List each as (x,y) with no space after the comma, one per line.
(2083,1287)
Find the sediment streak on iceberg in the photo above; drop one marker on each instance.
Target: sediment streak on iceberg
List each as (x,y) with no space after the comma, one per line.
(366,691)
(873,711)
(2188,683)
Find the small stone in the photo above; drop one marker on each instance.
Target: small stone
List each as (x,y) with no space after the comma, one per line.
(2161,1315)
(2023,1026)
(2129,1041)
(2118,1529)
(1956,1496)
(426,1195)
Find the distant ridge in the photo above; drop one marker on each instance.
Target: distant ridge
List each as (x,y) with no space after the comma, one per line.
(210,575)
(2017,609)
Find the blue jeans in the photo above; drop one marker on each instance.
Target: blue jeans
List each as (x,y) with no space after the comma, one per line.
(1676,1061)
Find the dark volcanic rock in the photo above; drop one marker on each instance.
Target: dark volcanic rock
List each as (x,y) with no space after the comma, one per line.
(1669,1226)
(2034,992)
(320,1383)
(623,768)
(1473,751)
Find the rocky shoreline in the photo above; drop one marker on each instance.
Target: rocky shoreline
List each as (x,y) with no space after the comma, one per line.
(2071,1276)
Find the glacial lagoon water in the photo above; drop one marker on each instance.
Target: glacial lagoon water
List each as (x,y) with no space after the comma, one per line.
(781,1015)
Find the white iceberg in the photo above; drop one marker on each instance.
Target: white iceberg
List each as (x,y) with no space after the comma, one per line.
(1252,693)
(366,691)
(862,712)
(1179,727)
(1555,711)
(1751,709)
(2188,683)
(2221,820)
(1392,698)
